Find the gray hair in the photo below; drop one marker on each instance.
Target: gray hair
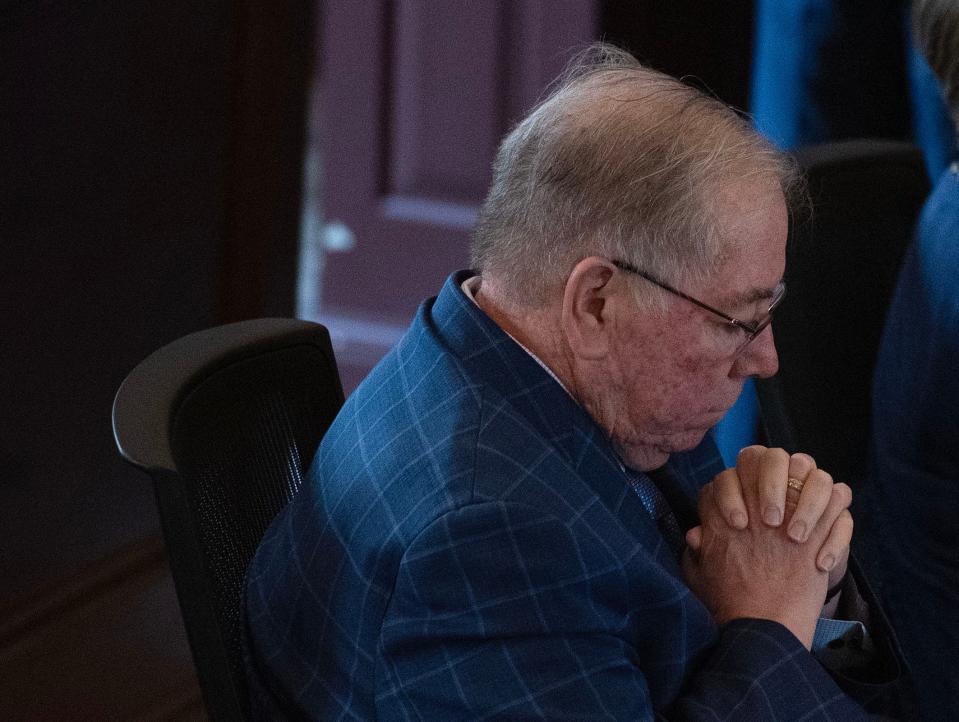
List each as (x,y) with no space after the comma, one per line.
(622,161)
(935,25)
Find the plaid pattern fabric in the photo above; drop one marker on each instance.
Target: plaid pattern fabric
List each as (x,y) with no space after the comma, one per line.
(468,547)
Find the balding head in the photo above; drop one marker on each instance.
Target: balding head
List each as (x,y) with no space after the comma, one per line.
(620,161)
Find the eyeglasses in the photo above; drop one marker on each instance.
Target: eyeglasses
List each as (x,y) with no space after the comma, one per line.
(751,330)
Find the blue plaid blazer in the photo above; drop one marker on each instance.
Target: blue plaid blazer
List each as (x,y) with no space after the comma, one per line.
(467,547)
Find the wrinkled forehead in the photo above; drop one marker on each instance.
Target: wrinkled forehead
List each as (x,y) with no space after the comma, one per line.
(748,208)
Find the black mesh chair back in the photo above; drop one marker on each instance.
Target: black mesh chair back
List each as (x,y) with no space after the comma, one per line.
(842,266)
(226,421)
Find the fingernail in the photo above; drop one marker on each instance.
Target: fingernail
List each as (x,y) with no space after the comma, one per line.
(772,516)
(739,520)
(828,562)
(797,530)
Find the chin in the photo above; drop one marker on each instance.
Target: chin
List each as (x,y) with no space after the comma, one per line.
(645,457)
(651,461)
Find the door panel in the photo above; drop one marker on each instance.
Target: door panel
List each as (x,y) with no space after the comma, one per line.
(414,99)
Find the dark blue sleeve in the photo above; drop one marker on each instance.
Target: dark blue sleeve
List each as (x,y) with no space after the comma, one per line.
(502,612)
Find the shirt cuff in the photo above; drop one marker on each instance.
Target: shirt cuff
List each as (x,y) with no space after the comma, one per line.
(838,643)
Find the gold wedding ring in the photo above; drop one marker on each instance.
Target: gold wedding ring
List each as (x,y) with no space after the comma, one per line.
(795,484)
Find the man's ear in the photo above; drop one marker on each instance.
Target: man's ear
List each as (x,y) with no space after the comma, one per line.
(587,307)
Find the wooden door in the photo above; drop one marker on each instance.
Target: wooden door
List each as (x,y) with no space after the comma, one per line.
(414,98)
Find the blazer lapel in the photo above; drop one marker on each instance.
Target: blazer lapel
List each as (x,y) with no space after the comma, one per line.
(689,472)
(597,465)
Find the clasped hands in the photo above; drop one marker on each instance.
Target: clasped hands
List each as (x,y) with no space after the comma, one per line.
(769,547)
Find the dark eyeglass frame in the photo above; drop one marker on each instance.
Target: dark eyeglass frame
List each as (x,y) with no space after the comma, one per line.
(752,330)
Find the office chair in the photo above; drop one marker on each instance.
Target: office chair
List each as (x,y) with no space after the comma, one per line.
(226,422)
(843,261)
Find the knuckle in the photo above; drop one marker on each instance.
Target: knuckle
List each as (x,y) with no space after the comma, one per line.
(843,493)
(750,454)
(778,452)
(817,481)
(724,501)
(725,477)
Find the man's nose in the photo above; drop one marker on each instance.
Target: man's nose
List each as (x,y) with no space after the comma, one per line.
(759,358)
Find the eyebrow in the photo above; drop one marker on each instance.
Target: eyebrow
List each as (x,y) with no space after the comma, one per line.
(756,294)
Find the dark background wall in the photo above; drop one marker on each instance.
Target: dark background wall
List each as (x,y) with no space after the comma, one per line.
(149,186)
(114,139)
(150,164)
(709,43)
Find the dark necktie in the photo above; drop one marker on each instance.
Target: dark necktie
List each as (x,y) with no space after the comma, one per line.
(658,508)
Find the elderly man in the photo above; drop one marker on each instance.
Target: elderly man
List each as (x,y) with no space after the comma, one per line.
(493,527)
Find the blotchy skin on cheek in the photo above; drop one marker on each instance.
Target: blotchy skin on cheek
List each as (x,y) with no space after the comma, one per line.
(670,377)
(667,391)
